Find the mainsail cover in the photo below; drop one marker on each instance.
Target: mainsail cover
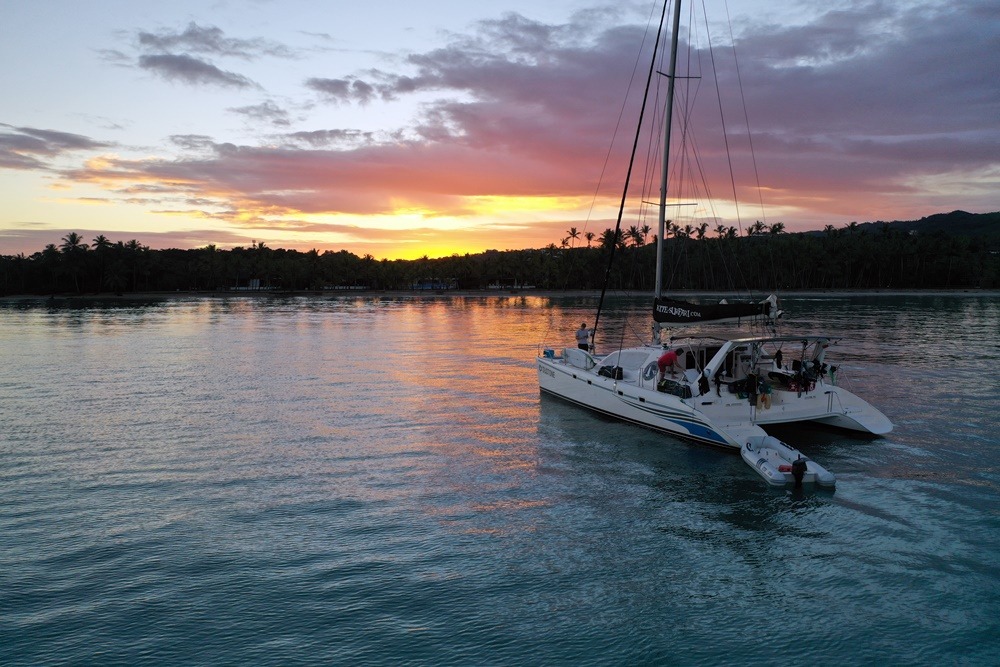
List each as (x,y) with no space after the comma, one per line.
(672,311)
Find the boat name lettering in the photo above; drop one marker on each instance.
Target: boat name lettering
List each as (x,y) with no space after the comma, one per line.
(548,371)
(674,310)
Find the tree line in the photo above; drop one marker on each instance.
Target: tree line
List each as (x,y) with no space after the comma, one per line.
(764,257)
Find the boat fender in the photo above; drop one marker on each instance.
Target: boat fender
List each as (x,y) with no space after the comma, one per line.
(798,471)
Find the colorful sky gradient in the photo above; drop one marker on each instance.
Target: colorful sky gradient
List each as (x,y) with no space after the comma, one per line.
(408,129)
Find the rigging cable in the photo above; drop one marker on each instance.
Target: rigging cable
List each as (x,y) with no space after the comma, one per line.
(722,117)
(618,123)
(725,136)
(628,175)
(746,115)
(746,118)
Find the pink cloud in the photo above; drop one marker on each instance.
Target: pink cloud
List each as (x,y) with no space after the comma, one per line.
(847,110)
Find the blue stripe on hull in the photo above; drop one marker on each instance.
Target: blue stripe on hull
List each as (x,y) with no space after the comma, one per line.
(695,431)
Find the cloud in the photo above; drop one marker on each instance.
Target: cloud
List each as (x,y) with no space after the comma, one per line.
(868,99)
(268,112)
(343,90)
(192,142)
(855,114)
(324,138)
(169,54)
(187,69)
(28,148)
(210,39)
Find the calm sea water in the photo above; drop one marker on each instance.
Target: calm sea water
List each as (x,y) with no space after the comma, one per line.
(354,481)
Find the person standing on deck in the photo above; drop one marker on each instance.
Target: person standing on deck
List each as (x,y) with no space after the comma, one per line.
(583,337)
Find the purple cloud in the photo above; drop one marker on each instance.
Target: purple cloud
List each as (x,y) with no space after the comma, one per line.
(210,39)
(268,112)
(343,90)
(27,148)
(187,69)
(849,113)
(168,54)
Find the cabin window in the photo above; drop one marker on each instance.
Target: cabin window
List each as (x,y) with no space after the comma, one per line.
(628,360)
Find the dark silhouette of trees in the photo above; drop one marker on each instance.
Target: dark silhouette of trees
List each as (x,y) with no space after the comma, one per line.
(946,251)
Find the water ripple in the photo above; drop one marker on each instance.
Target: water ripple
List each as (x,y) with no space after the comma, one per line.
(377,481)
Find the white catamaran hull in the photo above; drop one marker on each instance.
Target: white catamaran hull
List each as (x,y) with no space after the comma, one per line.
(723,415)
(628,402)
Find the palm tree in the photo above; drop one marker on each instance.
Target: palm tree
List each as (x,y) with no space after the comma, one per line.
(72,242)
(207,260)
(608,239)
(645,229)
(102,246)
(633,234)
(590,238)
(73,248)
(134,250)
(114,277)
(52,260)
(573,234)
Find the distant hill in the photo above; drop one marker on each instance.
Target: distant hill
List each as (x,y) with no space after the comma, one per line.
(956,223)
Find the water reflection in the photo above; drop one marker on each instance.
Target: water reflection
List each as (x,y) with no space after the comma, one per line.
(374,458)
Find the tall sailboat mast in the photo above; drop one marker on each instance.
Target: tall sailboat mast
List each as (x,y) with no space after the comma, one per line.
(667,123)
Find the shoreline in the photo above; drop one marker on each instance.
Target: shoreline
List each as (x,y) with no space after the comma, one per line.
(438,294)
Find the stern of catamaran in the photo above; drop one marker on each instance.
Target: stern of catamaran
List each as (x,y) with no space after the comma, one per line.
(770,380)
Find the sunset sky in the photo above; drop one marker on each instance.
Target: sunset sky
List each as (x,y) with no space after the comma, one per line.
(440,127)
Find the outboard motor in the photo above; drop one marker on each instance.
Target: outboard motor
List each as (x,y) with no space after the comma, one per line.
(798,471)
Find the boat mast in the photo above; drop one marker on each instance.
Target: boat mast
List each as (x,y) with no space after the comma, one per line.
(667,122)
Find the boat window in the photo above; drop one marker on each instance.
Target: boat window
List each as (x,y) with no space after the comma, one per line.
(633,360)
(627,359)
(610,360)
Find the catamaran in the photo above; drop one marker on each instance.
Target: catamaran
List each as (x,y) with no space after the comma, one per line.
(721,390)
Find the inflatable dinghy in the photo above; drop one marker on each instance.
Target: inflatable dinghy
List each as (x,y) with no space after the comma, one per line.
(780,464)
